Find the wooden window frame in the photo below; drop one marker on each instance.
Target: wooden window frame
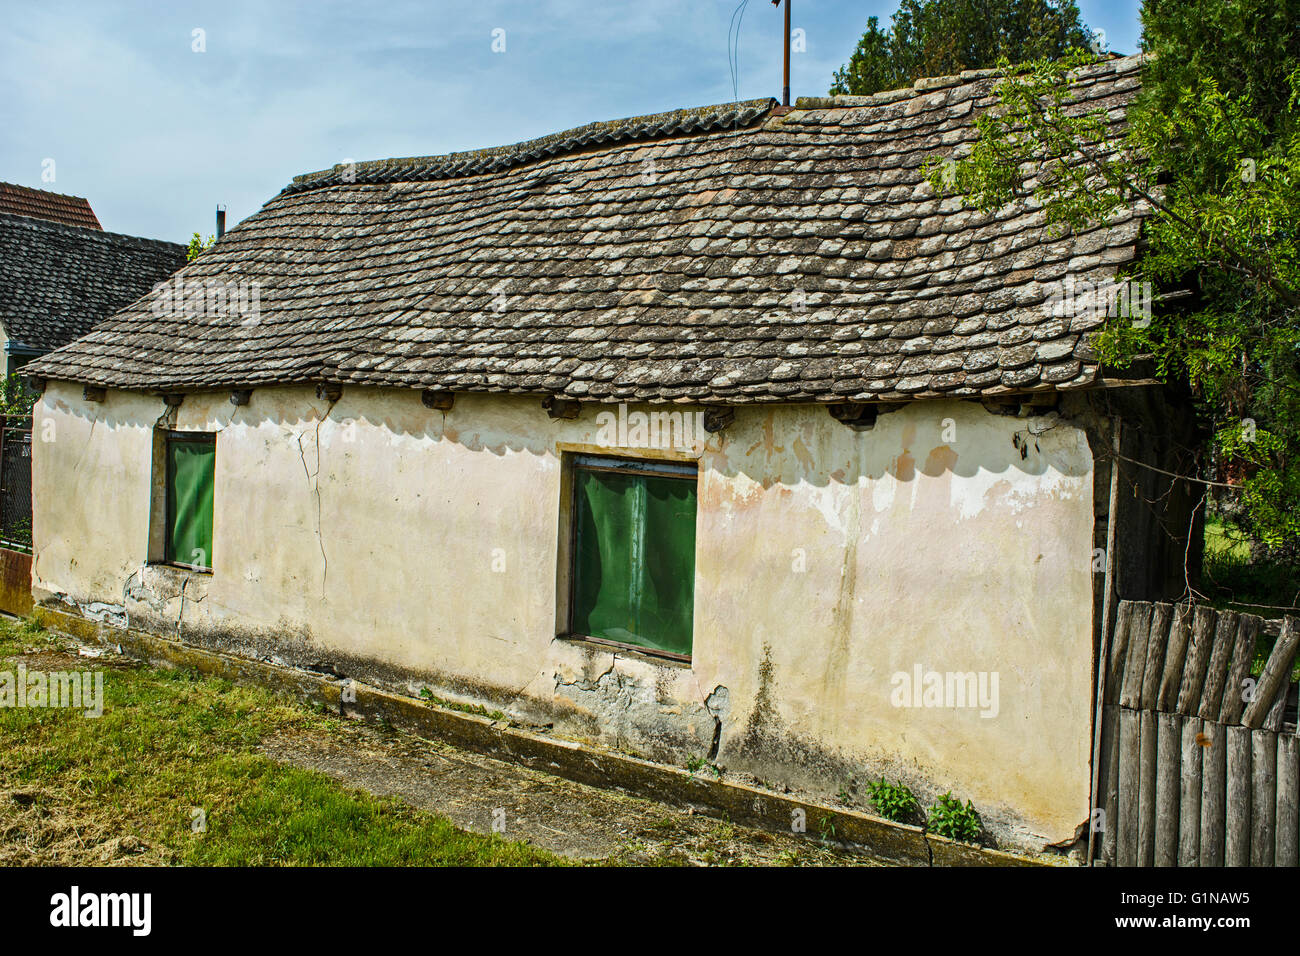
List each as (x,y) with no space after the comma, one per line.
(198,438)
(647,467)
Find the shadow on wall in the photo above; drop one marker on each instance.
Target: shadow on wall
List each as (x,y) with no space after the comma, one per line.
(931,439)
(769,444)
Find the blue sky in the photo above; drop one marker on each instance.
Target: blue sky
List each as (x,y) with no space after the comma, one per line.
(156,134)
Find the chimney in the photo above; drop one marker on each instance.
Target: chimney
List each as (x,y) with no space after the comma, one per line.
(221,221)
(785,72)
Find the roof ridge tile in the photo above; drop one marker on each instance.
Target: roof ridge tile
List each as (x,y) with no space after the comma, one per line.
(739,115)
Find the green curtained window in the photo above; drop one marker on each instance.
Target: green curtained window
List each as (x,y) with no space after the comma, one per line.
(191,463)
(634,552)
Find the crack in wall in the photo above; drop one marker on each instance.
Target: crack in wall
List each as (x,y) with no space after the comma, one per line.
(641,712)
(126,594)
(180,615)
(718,703)
(587,683)
(313,482)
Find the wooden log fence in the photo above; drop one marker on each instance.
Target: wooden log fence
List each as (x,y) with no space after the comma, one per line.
(1199,759)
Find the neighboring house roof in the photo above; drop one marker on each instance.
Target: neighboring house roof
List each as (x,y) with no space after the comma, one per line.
(57,282)
(40,204)
(663,257)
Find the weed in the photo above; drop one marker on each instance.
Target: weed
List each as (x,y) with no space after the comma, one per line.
(826,827)
(894,801)
(697,763)
(950,819)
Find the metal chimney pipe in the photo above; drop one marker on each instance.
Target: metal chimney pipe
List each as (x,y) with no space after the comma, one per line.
(785,89)
(221,221)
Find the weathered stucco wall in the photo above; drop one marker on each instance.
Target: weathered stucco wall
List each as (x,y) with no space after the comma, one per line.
(414,548)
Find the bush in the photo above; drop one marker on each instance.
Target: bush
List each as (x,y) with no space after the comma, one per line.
(15,397)
(894,801)
(950,819)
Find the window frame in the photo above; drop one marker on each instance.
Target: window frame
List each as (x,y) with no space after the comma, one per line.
(196,438)
(613,464)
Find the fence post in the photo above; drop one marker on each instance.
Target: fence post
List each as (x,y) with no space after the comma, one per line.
(1268,787)
(1287,821)
(1180,629)
(1237,805)
(1113,677)
(1169,771)
(1216,673)
(1130,782)
(1198,661)
(1214,793)
(1149,741)
(1276,678)
(1243,655)
(1189,799)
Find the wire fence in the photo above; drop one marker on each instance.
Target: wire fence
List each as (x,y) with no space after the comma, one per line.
(16,483)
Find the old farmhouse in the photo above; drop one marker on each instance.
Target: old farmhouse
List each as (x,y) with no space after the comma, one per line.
(713,434)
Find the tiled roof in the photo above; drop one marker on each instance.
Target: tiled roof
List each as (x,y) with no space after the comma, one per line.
(40,204)
(731,254)
(729,116)
(57,281)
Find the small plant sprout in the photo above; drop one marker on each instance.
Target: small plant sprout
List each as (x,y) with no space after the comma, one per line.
(948,818)
(893,801)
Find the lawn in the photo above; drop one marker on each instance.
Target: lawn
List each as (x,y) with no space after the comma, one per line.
(171,773)
(1232,579)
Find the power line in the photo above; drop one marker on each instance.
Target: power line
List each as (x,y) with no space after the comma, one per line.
(733,60)
(1171,474)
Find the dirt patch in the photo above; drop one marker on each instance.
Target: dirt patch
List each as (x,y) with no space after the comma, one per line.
(559,815)
(39,828)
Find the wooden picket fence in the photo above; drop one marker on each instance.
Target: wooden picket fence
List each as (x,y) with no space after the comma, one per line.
(1197,767)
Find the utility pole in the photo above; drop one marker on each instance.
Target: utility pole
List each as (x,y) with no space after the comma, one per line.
(785,89)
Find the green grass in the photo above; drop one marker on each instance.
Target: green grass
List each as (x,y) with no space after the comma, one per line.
(1223,542)
(169,742)
(1230,578)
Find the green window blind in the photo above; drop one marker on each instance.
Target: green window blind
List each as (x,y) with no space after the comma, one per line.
(634,554)
(191,464)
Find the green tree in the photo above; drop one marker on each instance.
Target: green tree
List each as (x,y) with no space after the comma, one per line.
(198,245)
(1213,147)
(16,398)
(944,37)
